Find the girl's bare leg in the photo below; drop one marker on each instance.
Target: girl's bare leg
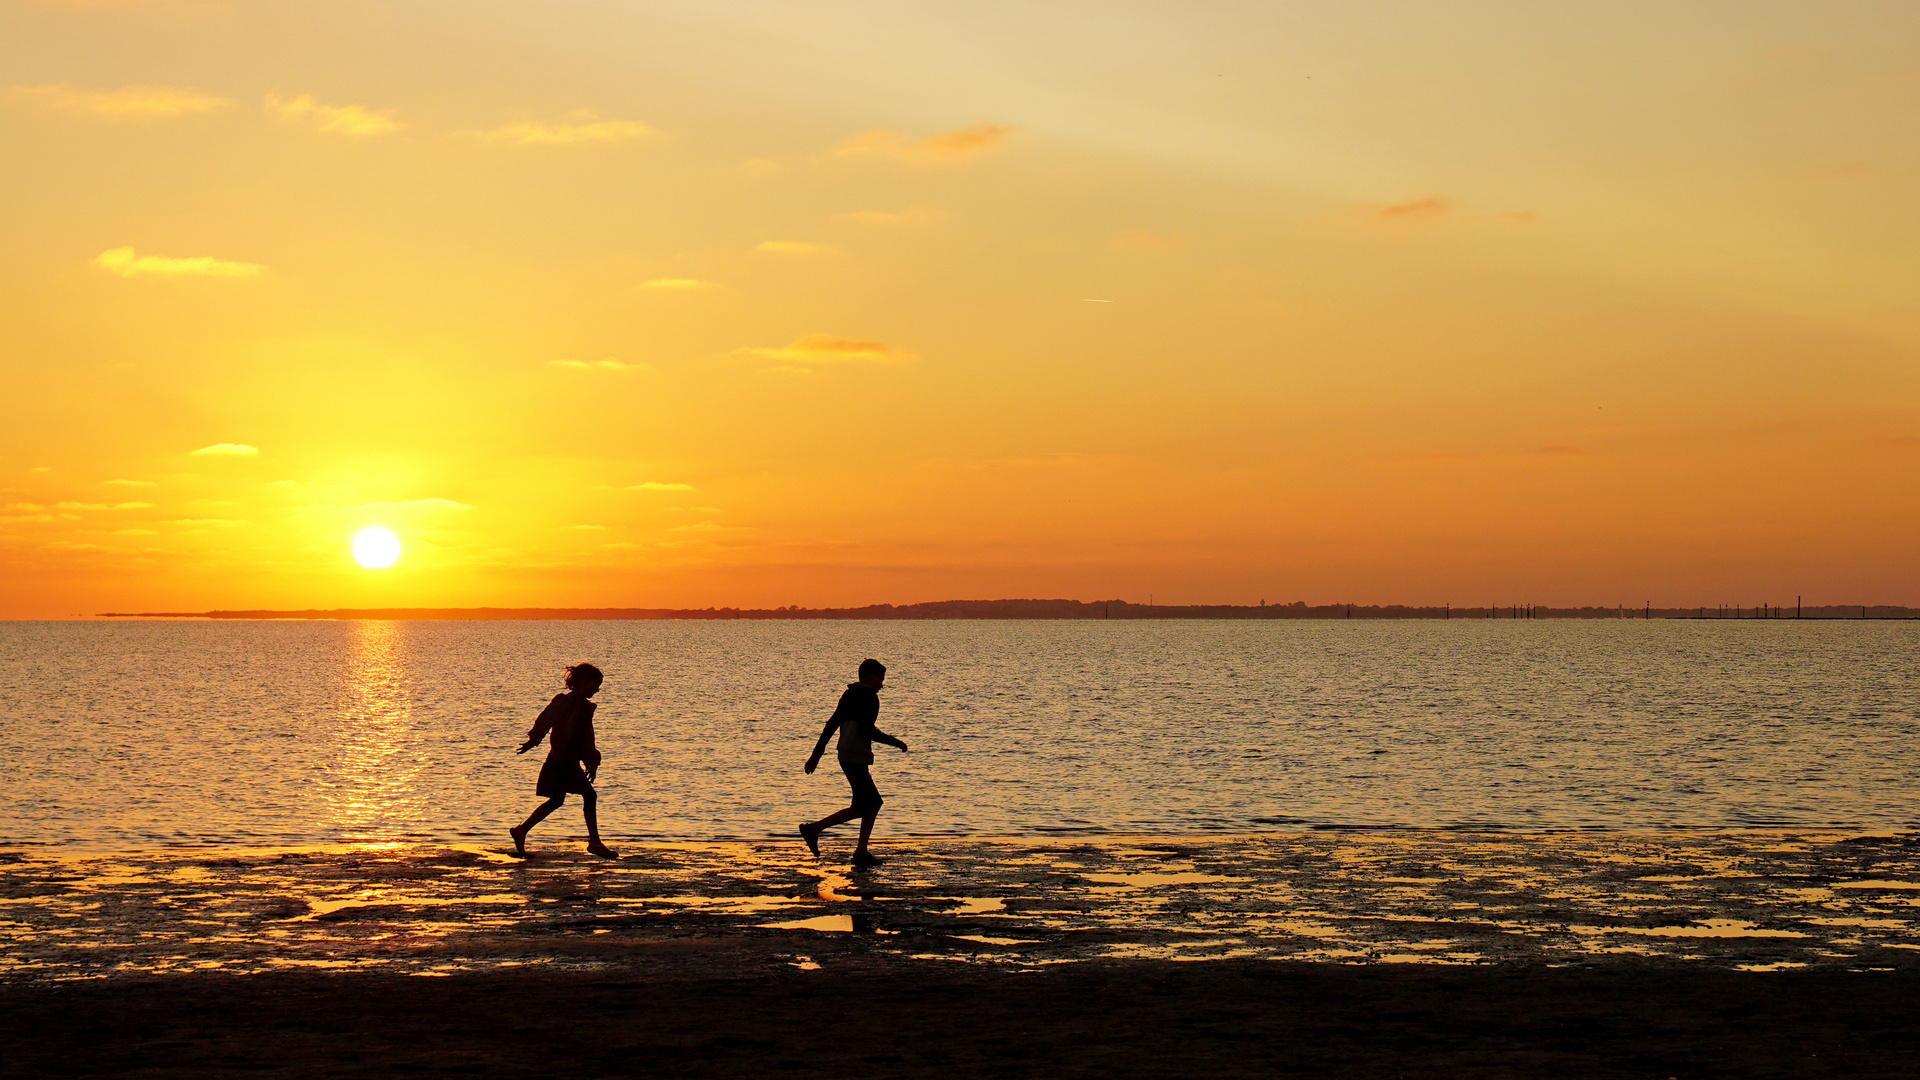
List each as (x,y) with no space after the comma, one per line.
(539,814)
(592,811)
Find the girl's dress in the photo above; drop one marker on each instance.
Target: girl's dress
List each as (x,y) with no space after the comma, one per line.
(567,723)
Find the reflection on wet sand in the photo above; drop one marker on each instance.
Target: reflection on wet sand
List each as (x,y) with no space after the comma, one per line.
(1755,902)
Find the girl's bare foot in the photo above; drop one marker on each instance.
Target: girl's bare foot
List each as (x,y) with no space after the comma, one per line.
(519,835)
(602,850)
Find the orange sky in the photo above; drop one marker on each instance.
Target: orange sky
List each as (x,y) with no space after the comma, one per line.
(603,303)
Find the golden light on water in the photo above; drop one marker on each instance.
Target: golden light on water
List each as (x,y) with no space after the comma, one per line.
(376,548)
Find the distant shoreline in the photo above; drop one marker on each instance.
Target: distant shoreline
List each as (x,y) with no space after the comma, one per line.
(1053,609)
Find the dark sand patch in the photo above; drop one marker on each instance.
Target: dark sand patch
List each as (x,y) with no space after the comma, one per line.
(929,1018)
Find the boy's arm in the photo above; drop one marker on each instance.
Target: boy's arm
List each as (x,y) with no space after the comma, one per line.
(543,724)
(881,736)
(833,724)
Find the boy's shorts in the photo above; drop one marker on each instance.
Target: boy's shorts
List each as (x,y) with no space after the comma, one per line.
(866,797)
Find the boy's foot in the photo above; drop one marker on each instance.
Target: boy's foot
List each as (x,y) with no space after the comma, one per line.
(862,859)
(603,851)
(812,836)
(519,840)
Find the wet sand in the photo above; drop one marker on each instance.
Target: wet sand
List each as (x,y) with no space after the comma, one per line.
(1335,953)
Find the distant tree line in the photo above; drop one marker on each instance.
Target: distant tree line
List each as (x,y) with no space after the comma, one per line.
(1074,609)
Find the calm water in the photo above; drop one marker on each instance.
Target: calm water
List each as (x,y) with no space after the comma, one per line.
(118,735)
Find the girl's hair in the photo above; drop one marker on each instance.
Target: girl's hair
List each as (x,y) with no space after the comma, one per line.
(579,673)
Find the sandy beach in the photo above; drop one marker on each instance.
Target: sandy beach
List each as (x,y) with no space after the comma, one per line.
(1328,953)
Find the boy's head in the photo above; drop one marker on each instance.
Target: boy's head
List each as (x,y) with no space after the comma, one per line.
(873,672)
(584,678)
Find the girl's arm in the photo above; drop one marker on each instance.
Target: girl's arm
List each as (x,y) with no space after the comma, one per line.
(589,753)
(544,723)
(881,736)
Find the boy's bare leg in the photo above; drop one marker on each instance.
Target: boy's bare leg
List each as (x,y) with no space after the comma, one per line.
(866,830)
(539,814)
(835,818)
(592,811)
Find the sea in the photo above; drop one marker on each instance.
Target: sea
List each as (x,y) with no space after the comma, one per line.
(141,735)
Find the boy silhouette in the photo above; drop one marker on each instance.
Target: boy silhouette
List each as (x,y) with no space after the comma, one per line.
(854,718)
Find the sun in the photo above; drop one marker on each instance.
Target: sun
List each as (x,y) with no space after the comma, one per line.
(376,548)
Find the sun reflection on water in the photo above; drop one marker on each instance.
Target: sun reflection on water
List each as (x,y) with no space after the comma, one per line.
(370,786)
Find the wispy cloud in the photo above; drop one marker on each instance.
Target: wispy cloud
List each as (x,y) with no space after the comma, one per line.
(1428,208)
(820,349)
(354,120)
(127,103)
(414,504)
(677,284)
(794,247)
(1145,240)
(1549,450)
(608,364)
(574,129)
(227,449)
(655,485)
(910,217)
(128,263)
(132,483)
(947,146)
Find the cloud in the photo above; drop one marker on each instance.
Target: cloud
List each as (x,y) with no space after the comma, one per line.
(794,247)
(1550,450)
(815,349)
(354,120)
(205,522)
(414,504)
(125,262)
(132,483)
(608,364)
(1143,240)
(1429,208)
(677,284)
(913,216)
(948,146)
(227,449)
(128,103)
(655,485)
(574,129)
(135,532)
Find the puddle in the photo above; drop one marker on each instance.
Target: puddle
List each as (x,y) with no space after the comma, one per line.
(1149,881)
(986,940)
(1712,928)
(828,924)
(317,908)
(744,905)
